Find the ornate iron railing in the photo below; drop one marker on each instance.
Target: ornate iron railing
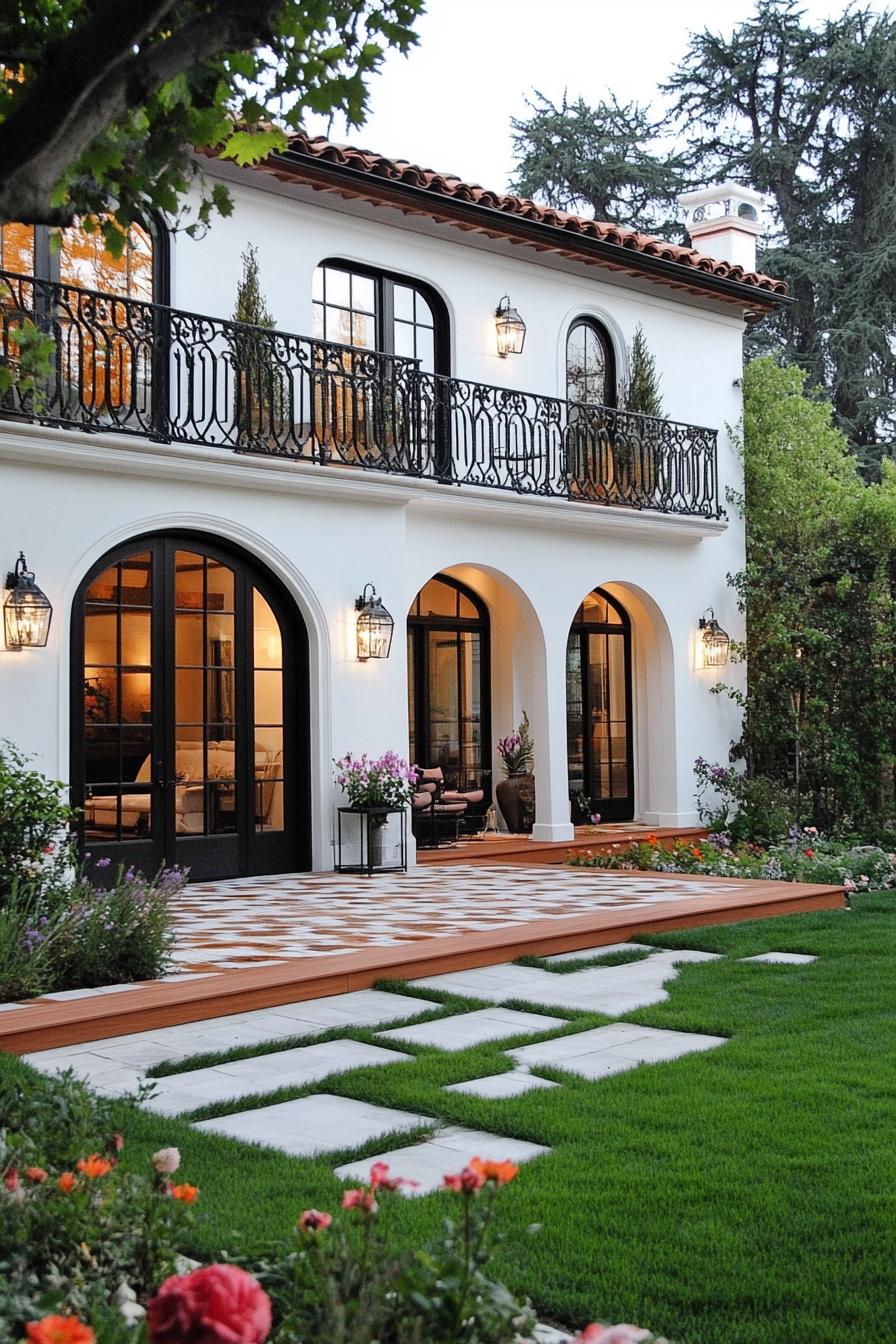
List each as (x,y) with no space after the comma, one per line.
(139,368)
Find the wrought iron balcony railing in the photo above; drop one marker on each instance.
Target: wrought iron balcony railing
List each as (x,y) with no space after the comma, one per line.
(139,368)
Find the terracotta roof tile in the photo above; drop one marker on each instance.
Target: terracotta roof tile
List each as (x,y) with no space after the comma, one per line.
(446,187)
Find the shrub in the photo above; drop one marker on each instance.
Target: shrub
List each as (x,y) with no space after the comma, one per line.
(84,1241)
(747,807)
(34,820)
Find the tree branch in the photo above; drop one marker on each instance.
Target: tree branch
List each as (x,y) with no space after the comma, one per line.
(92,78)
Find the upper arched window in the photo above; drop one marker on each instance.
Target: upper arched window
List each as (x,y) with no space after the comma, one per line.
(81,259)
(590,364)
(372,310)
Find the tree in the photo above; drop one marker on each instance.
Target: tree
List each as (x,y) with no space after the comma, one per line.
(819,594)
(259,385)
(101,101)
(806,113)
(641,392)
(598,159)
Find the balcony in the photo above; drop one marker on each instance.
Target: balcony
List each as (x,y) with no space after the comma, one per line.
(126,367)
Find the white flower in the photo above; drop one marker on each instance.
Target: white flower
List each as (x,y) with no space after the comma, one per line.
(125,1299)
(166,1161)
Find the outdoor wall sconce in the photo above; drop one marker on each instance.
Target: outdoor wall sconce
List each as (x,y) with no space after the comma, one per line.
(511,329)
(375,625)
(716,642)
(27,611)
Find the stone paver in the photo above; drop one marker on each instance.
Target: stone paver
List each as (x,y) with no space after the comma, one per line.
(560,957)
(603,1051)
(612,990)
(501,1085)
(466,1029)
(179,1092)
(130,1055)
(783,958)
(316,1124)
(448,1151)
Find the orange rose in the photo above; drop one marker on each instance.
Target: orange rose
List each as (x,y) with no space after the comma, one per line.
(36,1174)
(697,853)
(59,1330)
(93,1166)
(652,840)
(187,1194)
(499,1172)
(67,1182)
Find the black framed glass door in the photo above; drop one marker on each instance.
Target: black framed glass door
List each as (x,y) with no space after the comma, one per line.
(189,709)
(599,707)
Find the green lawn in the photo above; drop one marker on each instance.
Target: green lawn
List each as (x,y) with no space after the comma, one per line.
(744,1196)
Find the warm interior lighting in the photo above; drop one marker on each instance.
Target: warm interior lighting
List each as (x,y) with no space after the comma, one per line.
(27,611)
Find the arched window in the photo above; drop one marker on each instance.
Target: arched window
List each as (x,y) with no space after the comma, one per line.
(599,710)
(373,310)
(590,364)
(448,683)
(82,259)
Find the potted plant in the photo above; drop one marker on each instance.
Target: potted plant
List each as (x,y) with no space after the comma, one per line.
(376,787)
(516,793)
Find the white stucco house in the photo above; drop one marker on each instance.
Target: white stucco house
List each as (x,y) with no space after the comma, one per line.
(203,503)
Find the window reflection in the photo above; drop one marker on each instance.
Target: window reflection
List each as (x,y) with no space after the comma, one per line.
(598,724)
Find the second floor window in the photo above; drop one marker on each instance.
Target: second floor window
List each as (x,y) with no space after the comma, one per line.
(373,311)
(82,259)
(590,365)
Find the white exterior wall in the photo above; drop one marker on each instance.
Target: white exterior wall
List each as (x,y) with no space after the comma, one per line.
(67,497)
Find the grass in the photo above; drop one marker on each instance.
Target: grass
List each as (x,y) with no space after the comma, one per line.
(742,1196)
(620,958)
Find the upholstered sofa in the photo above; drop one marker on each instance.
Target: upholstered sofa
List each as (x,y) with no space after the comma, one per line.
(189,806)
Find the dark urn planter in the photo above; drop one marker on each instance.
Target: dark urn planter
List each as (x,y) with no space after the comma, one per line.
(516,799)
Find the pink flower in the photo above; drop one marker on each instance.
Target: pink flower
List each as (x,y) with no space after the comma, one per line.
(166,1161)
(312,1220)
(220,1304)
(381,1180)
(611,1334)
(465,1182)
(359,1199)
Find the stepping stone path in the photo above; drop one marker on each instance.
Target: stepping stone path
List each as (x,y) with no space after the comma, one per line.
(466,1029)
(323,1123)
(584,953)
(499,1085)
(783,958)
(179,1092)
(607,1050)
(449,1150)
(317,1124)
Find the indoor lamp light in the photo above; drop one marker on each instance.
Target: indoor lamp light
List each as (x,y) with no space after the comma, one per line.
(375,625)
(511,329)
(27,611)
(715,640)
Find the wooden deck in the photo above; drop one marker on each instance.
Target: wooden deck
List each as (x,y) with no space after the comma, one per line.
(46,1025)
(504,848)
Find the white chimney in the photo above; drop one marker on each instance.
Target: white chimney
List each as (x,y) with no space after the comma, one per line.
(723,222)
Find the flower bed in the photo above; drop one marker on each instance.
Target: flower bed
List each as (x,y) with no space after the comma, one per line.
(805,856)
(89,1253)
(58,929)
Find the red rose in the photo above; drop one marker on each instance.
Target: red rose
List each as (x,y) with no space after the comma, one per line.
(220,1304)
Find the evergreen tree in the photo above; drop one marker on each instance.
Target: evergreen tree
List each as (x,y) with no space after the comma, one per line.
(259,384)
(251,305)
(641,392)
(806,113)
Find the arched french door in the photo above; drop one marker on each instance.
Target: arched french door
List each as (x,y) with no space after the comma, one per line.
(448,683)
(599,708)
(189,712)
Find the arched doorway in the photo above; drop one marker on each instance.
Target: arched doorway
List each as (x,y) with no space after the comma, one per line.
(189,712)
(448,683)
(599,708)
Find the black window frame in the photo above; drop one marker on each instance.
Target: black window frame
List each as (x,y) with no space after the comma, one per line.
(46,258)
(418,627)
(385,283)
(610,371)
(619,808)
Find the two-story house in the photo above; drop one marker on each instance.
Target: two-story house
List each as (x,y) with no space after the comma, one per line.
(203,503)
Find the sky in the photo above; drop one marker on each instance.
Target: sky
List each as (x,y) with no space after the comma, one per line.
(448,104)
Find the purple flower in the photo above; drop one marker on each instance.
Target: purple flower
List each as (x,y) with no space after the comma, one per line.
(103,863)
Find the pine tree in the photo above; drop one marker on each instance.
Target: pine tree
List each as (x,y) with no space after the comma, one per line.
(259,384)
(251,305)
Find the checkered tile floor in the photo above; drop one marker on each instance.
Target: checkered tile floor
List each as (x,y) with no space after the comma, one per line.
(250,922)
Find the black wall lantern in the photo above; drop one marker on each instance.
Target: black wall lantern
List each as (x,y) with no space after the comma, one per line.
(375,625)
(716,642)
(511,329)
(27,611)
